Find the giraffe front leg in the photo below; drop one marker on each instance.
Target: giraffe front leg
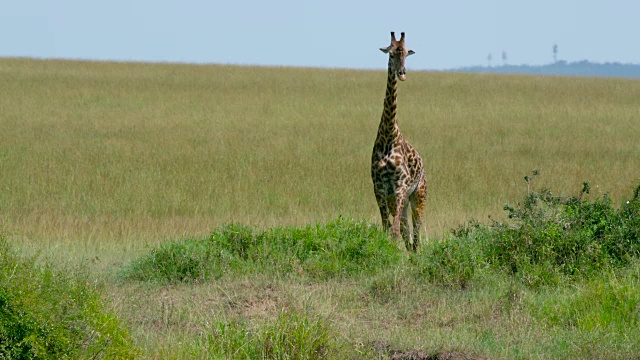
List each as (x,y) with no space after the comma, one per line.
(404,227)
(384,210)
(384,214)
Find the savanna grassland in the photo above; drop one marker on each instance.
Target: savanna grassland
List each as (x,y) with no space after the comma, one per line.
(119,167)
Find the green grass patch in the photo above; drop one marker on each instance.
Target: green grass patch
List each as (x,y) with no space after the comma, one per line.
(610,302)
(592,313)
(289,336)
(337,249)
(454,261)
(48,312)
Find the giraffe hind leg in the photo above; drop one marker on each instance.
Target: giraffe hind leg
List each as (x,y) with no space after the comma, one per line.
(400,226)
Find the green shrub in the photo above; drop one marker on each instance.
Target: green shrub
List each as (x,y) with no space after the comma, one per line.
(290,336)
(553,238)
(547,240)
(339,248)
(51,313)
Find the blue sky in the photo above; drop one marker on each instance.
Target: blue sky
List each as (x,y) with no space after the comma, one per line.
(328,33)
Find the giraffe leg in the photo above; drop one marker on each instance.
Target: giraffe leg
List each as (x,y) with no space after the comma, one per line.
(384,210)
(418,199)
(391,205)
(384,214)
(400,209)
(404,227)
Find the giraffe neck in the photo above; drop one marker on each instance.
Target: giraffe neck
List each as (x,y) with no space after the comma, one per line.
(388,128)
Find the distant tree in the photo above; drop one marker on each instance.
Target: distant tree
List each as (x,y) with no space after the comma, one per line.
(555,53)
(504,57)
(489,57)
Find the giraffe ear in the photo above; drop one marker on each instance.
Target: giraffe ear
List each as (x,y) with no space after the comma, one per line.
(411,52)
(385,50)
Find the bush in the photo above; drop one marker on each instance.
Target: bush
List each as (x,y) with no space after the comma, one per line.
(552,238)
(547,239)
(339,248)
(50,313)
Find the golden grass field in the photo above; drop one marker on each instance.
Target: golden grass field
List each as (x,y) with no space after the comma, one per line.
(129,153)
(100,160)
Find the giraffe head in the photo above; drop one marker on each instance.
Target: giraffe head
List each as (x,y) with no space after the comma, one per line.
(397,53)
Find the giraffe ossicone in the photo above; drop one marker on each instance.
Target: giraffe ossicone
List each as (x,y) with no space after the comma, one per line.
(397,170)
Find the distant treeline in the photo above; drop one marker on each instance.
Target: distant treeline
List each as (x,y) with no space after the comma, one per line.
(563,68)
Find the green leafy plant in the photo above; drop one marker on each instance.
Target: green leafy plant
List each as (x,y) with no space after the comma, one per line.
(547,239)
(569,236)
(52,313)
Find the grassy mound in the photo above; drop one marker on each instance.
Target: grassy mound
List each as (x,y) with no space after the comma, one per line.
(52,313)
(339,248)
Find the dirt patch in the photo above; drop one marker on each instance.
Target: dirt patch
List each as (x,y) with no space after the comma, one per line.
(256,302)
(421,354)
(260,306)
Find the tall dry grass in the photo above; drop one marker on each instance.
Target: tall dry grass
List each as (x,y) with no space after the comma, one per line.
(124,154)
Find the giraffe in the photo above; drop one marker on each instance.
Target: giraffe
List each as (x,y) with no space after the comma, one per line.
(396,167)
